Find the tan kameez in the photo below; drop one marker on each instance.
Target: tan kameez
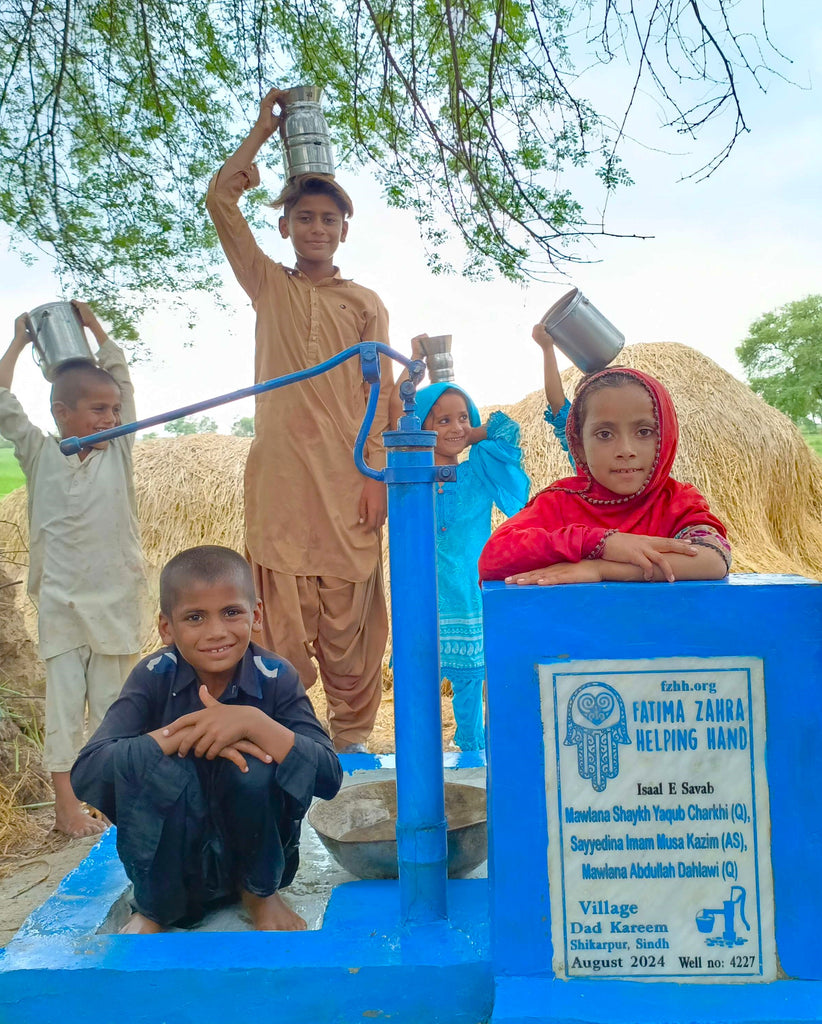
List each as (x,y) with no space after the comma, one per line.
(302,489)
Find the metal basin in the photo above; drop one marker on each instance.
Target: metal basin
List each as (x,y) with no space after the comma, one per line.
(358,828)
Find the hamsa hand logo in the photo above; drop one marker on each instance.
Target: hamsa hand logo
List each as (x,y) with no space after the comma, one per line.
(596,726)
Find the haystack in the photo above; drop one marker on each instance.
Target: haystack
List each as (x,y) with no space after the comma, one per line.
(189,492)
(22,779)
(748,459)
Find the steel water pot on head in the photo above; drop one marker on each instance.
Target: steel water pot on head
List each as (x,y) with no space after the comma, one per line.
(437,351)
(303,129)
(58,336)
(580,331)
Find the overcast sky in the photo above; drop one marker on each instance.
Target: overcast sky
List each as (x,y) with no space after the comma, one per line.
(723,252)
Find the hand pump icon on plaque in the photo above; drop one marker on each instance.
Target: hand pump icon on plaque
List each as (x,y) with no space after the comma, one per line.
(731,908)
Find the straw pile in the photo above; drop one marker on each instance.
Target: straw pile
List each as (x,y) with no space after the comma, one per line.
(22,780)
(747,459)
(189,492)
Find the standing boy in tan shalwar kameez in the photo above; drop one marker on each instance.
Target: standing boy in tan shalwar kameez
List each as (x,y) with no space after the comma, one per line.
(312,521)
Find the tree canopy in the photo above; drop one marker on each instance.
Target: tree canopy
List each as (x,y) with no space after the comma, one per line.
(243,426)
(185,426)
(782,358)
(471,113)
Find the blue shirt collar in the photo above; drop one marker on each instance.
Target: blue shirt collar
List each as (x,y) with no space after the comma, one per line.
(245,678)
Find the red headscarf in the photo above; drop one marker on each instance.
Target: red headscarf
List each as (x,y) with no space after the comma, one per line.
(570,519)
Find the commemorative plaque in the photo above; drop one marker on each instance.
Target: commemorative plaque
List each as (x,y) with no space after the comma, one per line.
(658,819)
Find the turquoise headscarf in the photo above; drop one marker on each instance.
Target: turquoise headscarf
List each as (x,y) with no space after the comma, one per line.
(428,397)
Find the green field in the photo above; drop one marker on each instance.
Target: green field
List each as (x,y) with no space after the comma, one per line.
(814,442)
(813,438)
(11,476)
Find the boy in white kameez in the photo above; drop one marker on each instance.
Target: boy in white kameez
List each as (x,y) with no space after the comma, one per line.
(85,565)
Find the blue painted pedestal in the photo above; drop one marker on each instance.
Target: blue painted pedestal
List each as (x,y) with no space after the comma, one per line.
(361,965)
(777,619)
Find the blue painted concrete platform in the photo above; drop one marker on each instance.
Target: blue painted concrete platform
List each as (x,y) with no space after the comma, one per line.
(360,965)
(542,1000)
(491,960)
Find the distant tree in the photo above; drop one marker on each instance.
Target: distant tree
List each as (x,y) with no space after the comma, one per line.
(186,425)
(782,358)
(243,426)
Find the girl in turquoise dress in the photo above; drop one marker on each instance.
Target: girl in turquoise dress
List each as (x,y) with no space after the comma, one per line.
(491,475)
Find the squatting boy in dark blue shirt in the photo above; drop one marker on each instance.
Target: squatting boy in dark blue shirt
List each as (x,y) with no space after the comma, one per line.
(210,757)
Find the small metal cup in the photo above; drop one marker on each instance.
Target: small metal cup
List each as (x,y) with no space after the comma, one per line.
(437,351)
(579,330)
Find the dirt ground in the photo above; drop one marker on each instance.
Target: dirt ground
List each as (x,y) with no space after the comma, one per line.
(29,877)
(382,738)
(30,874)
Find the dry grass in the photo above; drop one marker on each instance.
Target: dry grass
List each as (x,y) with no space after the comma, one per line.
(749,461)
(23,786)
(19,831)
(189,492)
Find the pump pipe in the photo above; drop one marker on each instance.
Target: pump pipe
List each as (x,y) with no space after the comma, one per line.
(421,825)
(72,445)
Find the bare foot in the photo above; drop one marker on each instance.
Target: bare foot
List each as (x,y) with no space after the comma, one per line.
(137,924)
(98,815)
(69,814)
(78,823)
(272,913)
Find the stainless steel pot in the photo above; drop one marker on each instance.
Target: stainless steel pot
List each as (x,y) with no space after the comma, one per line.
(58,336)
(303,129)
(438,358)
(580,331)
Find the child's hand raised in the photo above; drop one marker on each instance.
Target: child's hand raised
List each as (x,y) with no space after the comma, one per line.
(416,346)
(646,553)
(85,312)
(554,391)
(267,121)
(88,319)
(542,337)
(22,334)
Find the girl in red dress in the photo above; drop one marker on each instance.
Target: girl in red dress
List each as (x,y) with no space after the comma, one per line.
(622,517)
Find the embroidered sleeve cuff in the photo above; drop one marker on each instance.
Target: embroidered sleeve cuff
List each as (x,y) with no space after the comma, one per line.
(501,427)
(596,552)
(707,537)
